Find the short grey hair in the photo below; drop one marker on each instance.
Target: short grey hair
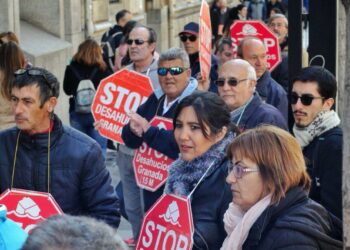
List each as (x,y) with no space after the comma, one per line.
(251,74)
(175,53)
(278,15)
(73,233)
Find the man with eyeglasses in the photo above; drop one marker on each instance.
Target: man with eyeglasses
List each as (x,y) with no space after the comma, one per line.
(142,42)
(236,85)
(189,39)
(176,83)
(278,24)
(318,132)
(44,155)
(253,50)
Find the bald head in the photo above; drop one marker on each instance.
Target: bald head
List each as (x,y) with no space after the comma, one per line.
(253,50)
(244,75)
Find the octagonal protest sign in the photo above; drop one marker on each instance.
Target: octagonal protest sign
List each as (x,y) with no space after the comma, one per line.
(151,166)
(259,30)
(28,208)
(116,96)
(167,225)
(205,36)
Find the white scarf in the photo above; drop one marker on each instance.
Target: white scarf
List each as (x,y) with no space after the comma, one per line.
(238,223)
(324,121)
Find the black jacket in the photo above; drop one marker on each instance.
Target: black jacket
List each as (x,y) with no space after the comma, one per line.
(297,222)
(273,93)
(209,203)
(257,113)
(323,158)
(71,82)
(80,182)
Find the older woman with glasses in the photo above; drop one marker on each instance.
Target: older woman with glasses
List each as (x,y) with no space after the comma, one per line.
(270,207)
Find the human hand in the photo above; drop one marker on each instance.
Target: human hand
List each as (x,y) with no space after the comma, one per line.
(203,84)
(138,124)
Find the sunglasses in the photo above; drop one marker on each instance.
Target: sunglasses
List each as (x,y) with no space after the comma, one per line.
(137,41)
(239,171)
(184,38)
(33,72)
(174,71)
(220,82)
(306,99)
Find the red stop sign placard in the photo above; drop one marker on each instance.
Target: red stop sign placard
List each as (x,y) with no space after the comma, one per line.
(205,36)
(257,29)
(28,208)
(151,166)
(117,95)
(167,225)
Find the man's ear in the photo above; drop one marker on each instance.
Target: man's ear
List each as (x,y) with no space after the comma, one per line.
(327,104)
(51,104)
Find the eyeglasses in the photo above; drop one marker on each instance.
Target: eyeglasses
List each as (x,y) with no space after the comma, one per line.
(306,99)
(174,71)
(137,41)
(184,38)
(220,82)
(33,72)
(238,170)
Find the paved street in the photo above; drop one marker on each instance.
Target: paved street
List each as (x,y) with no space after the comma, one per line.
(124,228)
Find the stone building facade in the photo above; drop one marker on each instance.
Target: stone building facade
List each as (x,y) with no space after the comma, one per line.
(51,30)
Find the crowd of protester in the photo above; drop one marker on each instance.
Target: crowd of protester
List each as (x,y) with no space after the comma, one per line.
(253,183)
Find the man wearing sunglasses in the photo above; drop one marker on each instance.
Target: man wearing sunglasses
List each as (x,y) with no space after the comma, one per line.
(42,154)
(317,130)
(142,42)
(190,41)
(253,50)
(236,85)
(176,83)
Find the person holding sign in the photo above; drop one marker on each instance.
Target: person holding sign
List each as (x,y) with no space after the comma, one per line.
(202,130)
(176,83)
(270,207)
(142,43)
(189,39)
(42,154)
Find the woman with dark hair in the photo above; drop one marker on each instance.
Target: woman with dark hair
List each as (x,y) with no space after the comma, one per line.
(236,13)
(87,63)
(11,59)
(202,130)
(270,207)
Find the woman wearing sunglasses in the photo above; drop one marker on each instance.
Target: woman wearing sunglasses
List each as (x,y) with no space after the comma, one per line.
(202,130)
(270,207)
(11,59)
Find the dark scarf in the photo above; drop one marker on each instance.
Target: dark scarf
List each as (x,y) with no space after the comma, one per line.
(194,58)
(184,175)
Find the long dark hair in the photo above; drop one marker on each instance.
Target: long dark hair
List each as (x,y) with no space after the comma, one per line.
(11,59)
(211,111)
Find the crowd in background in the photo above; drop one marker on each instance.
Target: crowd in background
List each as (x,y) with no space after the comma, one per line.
(253,182)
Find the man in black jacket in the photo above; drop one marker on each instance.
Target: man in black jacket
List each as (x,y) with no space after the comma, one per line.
(44,155)
(111,39)
(317,130)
